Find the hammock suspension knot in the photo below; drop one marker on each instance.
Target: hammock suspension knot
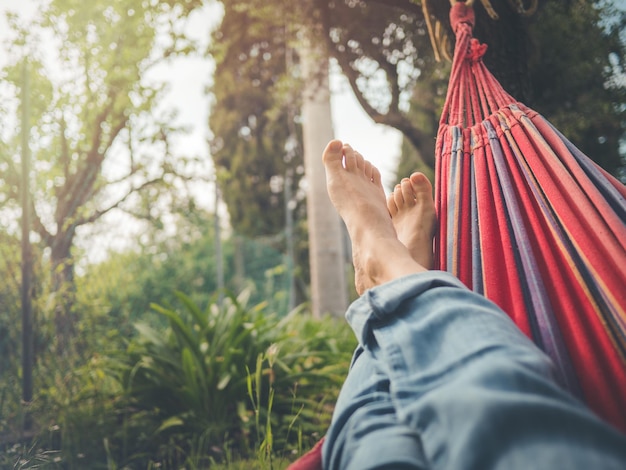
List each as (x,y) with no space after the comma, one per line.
(476,50)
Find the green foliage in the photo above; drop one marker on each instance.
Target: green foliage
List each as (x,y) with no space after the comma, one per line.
(213,385)
(80,410)
(254,117)
(77,408)
(99,132)
(11,409)
(119,290)
(231,375)
(21,457)
(578,76)
(10,304)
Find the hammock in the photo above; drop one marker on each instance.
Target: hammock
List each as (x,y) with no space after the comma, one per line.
(534,225)
(529,221)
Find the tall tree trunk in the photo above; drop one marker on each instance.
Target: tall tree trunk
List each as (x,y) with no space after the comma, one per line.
(240,263)
(27,259)
(329,292)
(63,287)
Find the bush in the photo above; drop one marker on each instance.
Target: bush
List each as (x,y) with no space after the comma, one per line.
(227,382)
(192,389)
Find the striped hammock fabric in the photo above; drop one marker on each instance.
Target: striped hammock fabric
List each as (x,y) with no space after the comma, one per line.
(533,224)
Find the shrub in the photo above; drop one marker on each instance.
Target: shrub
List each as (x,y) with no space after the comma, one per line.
(228,381)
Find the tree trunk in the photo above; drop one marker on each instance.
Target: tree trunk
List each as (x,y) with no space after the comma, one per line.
(63,288)
(240,263)
(329,292)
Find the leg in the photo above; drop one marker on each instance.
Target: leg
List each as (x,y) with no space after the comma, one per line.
(357,193)
(477,391)
(463,381)
(373,437)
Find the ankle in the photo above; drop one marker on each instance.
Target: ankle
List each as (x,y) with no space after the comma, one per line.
(388,259)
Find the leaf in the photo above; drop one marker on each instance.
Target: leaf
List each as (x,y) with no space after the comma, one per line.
(223,383)
(193,309)
(183,332)
(149,333)
(170,423)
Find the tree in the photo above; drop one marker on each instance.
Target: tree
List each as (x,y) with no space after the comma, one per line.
(256,125)
(98,140)
(254,119)
(384,48)
(329,292)
(581,88)
(258,142)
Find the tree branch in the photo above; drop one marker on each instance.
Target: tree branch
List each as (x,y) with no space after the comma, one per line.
(15,192)
(406,5)
(38,225)
(83,181)
(393,118)
(97,214)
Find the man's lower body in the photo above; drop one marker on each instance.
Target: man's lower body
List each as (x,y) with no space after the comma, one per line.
(442,378)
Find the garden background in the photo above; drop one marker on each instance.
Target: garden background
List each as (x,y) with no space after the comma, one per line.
(162,302)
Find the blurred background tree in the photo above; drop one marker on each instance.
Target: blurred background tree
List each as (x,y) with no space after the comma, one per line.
(257,134)
(99,140)
(255,118)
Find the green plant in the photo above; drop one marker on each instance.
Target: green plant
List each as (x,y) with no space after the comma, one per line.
(195,388)
(21,457)
(76,409)
(238,376)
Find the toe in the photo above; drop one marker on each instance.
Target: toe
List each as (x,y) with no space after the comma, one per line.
(398,197)
(333,153)
(360,161)
(391,205)
(368,168)
(376,177)
(351,158)
(407,192)
(421,185)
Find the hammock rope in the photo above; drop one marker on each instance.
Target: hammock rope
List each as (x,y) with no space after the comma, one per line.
(533,224)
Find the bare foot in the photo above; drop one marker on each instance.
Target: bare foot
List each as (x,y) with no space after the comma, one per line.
(355,189)
(412,211)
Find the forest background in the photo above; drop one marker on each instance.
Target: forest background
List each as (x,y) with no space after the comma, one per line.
(169,254)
